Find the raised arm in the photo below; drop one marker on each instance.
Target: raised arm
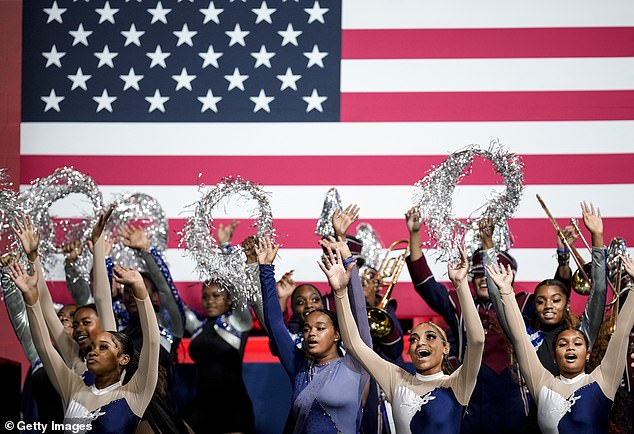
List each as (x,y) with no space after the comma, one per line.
(613,363)
(432,292)
(489,257)
(172,314)
(595,306)
(468,371)
(103,293)
(60,375)
(532,370)
(381,370)
(253,274)
(141,386)
(285,288)
(282,341)
(16,310)
(563,272)
(30,238)
(78,287)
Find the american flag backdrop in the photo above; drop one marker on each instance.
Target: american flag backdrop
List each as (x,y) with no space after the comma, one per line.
(364,95)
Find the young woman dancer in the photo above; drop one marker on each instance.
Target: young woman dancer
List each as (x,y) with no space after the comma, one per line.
(327,388)
(573,401)
(122,391)
(430,401)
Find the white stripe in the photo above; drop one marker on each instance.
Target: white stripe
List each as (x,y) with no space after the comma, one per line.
(412,14)
(384,202)
(406,138)
(487,75)
(534,265)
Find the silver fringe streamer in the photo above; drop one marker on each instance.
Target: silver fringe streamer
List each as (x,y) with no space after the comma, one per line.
(37,201)
(213,265)
(332,203)
(372,251)
(433,198)
(10,210)
(142,210)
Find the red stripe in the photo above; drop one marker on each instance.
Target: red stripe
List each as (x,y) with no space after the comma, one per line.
(488,43)
(300,233)
(410,305)
(487,106)
(333,170)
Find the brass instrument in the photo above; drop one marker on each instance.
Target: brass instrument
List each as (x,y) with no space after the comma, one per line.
(580,282)
(619,280)
(386,276)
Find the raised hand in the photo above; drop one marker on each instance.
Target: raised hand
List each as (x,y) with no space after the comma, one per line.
(28,235)
(332,266)
(340,244)
(25,283)
(593,221)
(266,250)
(286,285)
(134,237)
(502,276)
(73,250)
(571,235)
(127,276)
(248,245)
(341,220)
(7,259)
(628,264)
(458,272)
(486,227)
(225,233)
(97,230)
(413,220)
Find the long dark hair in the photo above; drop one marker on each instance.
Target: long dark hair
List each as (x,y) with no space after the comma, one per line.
(126,346)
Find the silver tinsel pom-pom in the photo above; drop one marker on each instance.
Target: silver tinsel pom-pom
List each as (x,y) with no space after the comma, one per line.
(372,251)
(212,264)
(10,210)
(433,198)
(332,203)
(37,201)
(140,210)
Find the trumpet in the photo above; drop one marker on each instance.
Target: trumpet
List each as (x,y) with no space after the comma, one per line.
(386,276)
(580,282)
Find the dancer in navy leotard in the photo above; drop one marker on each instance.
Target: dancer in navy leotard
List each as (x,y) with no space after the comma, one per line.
(327,389)
(573,401)
(119,396)
(429,401)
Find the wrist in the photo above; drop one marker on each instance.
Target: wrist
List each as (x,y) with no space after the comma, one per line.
(563,256)
(597,239)
(456,282)
(506,290)
(30,296)
(340,292)
(31,256)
